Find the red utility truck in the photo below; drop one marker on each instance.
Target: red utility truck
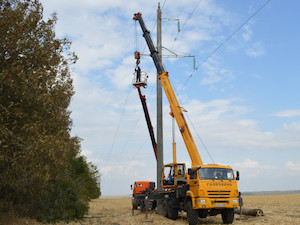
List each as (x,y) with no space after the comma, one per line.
(141,189)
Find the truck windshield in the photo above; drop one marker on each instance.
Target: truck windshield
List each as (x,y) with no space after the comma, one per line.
(215,174)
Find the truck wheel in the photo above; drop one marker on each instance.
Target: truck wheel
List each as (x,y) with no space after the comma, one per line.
(227,216)
(165,208)
(192,215)
(172,212)
(153,205)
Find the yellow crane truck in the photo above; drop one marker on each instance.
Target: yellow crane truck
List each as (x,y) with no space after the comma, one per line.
(202,190)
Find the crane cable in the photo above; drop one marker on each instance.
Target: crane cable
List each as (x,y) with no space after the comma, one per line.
(136,49)
(136,43)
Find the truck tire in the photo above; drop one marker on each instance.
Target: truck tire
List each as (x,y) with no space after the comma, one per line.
(172,212)
(153,205)
(165,208)
(228,216)
(192,215)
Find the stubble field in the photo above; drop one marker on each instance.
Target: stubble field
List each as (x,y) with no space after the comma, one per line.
(278,209)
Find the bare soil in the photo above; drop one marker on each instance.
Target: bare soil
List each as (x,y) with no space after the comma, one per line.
(278,209)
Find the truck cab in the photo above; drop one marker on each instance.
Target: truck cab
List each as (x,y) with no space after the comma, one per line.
(141,189)
(213,190)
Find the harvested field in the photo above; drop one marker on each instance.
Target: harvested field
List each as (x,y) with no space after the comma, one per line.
(278,209)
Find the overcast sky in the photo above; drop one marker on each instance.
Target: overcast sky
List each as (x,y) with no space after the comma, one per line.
(242,101)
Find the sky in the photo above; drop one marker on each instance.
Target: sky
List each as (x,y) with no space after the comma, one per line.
(242,101)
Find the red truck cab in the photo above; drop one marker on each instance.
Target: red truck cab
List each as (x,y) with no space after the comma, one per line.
(141,189)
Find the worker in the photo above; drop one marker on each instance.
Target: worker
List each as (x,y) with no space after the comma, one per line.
(179,172)
(215,174)
(138,74)
(171,180)
(218,174)
(223,176)
(171,177)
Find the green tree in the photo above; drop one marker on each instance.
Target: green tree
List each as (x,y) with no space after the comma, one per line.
(37,153)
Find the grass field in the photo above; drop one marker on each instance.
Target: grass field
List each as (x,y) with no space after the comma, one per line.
(278,209)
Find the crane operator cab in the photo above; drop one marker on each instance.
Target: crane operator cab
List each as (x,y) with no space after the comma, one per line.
(174,175)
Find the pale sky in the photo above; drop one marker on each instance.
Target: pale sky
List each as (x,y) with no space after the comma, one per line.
(243,100)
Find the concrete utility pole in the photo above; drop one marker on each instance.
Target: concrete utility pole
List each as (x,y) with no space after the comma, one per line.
(160,155)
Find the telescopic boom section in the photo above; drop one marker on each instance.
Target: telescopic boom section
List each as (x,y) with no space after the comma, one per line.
(175,107)
(153,52)
(149,124)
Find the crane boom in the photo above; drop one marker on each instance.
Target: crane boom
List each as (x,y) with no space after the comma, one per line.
(176,110)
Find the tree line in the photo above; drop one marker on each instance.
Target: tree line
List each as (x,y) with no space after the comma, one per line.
(42,174)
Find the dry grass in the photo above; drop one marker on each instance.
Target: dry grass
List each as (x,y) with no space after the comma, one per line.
(278,209)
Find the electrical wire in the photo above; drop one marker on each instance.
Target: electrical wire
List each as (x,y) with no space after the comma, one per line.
(205,59)
(163,4)
(130,135)
(175,39)
(118,127)
(190,15)
(181,105)
(139,149)
(149,96)
(213,52)
(153,27)
(200,138)
(224,41)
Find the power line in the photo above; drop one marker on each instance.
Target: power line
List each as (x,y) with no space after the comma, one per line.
(163,4)
(202,142)
(118,127)
(139,149)
(223,42)
(200,138)
(213,52)
(153,27)
(186,22)
(181,28)
(149,96)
